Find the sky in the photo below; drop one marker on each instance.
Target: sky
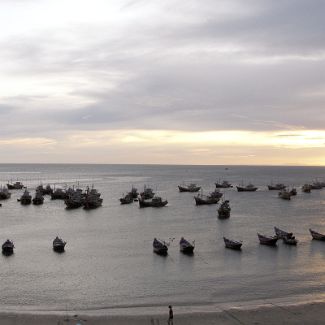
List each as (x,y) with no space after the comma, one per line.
(162,82)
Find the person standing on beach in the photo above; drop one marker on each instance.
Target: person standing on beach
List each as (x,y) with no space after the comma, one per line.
(171,316)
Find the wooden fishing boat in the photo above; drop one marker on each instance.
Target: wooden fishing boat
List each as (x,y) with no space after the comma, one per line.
(38,199)
(248,188)
(316,235)
(212,198)
(285,195)
(276,187)
(316,186)
(133,193)
(8,247)
(233,244)
(58,244)
(4,193)
(47,190)
(306,188)
(224,210)
(189,188)
(185,246)
(281,233)
(265,240)
(147,193)
(290,240)
(59,194)
(75,199)
(155,202)
(293,191)
(92,199)
(15,186)
(26,198)
(127,199)
(160,247)
(224,184)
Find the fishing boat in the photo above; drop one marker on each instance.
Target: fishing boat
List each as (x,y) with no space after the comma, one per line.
(15,186)
(59,194)
(75,199)
(126,199)
(224,210)
(211,198)
(92,199)
(290,240)
(233,244)
(265,240)
(4,193)
(38,199)
(293,191)
(276,187)
(285,195)
(186,247)
(134,193)
(26,198)
(58,244)
(160,247)
(189,188)
(247,188)
(155,202)
(316,235)
(281,233)
(316,186)
(147,193)
(306,188)
(8,247)
(44,190)
(224,184)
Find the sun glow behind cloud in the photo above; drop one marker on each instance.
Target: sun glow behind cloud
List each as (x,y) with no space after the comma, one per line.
(214,147)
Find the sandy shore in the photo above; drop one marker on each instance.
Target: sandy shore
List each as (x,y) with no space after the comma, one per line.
(268,313)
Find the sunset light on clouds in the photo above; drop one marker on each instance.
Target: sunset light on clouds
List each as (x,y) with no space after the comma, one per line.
(219,82)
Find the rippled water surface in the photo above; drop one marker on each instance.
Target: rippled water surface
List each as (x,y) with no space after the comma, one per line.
(109,260)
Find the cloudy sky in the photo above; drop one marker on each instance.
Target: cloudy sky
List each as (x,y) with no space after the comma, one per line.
(177,82)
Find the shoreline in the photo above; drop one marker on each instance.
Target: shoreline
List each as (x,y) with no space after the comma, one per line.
(299,310)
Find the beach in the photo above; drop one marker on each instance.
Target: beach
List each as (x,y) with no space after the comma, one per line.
(280,312)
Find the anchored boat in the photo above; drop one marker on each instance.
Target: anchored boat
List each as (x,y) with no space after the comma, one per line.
(185,246)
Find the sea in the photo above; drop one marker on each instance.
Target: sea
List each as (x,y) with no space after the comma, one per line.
(109,260)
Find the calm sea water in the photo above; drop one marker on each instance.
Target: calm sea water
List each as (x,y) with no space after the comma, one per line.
(109,260)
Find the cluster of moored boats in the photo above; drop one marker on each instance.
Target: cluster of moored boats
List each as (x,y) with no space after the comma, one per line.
(161,247)
(58,245)
(73,197)
(148,198)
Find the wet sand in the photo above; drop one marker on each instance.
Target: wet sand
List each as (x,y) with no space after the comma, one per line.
(249,313)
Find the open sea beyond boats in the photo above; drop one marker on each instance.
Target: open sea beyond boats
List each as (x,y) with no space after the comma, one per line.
(109,261)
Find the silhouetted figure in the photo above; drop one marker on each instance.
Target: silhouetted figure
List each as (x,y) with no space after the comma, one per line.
(171,316)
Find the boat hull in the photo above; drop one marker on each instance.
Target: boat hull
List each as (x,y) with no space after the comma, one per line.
(147,204)
(189,189)
(59,248)
(232,244)
(245,189)
(316,235)
(282,234)
(161,251)
(290,241)
(276,188)
(268,241)
(200,201)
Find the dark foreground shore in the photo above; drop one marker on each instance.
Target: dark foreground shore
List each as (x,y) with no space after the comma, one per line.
(267,313)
